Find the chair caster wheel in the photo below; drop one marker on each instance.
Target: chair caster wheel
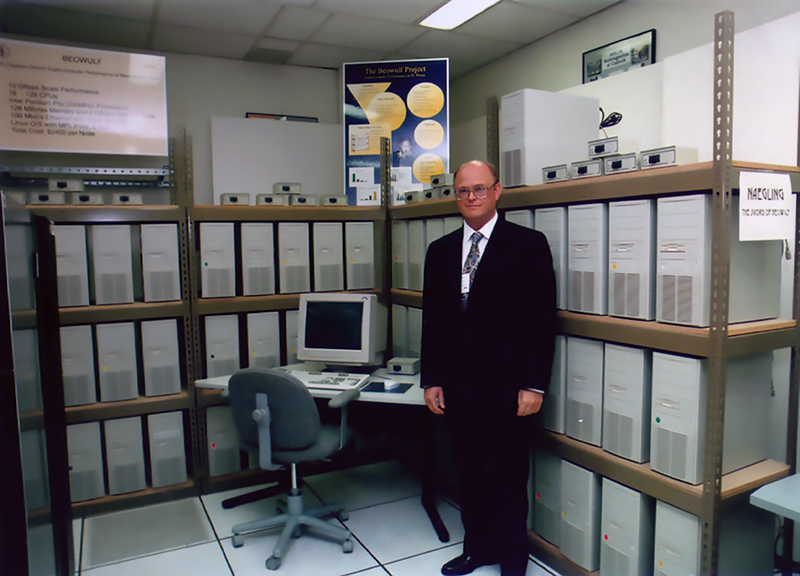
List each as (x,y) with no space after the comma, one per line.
(297,532)
(273,563)
(343,515)
(347,546)
(238,540)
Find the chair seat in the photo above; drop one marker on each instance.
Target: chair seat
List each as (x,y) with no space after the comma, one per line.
(326,445)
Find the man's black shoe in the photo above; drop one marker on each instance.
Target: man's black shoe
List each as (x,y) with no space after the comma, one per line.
(464,564)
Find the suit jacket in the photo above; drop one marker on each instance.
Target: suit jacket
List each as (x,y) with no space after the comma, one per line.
(504,339)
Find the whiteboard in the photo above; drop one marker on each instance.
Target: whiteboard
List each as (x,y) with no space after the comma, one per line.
(249,155)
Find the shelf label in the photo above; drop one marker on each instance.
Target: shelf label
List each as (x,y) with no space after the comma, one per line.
(766,206)
(65,99)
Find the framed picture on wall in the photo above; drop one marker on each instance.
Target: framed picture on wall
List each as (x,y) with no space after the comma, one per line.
(617,57)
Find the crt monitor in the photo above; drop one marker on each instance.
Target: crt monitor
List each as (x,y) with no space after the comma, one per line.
(341,328)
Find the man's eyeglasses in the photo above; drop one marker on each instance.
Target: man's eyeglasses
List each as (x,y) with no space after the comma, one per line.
(480,191)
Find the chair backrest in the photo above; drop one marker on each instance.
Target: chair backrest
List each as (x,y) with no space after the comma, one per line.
(295,420)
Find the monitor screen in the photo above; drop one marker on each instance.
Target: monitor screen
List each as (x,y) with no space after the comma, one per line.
(334,325)
(344,328)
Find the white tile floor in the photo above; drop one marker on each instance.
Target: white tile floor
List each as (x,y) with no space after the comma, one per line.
(392,535)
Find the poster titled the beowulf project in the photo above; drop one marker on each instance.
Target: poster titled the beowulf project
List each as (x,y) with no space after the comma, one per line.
(407,102)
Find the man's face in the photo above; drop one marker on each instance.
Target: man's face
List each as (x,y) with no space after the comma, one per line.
(405,147)
(477,211)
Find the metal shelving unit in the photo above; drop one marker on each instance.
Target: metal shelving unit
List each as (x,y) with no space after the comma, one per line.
(717,343)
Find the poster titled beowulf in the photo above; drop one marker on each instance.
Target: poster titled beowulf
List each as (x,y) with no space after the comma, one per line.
(66,99)
(405,101)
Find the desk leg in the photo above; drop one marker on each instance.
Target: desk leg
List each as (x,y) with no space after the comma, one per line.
(429,504)
(428,490)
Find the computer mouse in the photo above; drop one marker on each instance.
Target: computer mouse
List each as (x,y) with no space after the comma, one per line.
(390,384)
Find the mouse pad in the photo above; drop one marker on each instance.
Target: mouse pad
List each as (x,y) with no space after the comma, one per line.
(378,387)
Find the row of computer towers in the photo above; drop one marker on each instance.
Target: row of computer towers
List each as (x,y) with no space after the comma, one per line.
(341,256)
(128,263)
(651,260)
(114,356)
(111,457)
(600,524)
(410,241)
(646,405)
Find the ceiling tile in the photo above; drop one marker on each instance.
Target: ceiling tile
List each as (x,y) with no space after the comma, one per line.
(356,32)
(402,11)
(332,56)
(581,8)
(268,56)
(75,26)
(134,9)
(474,50)
(277,44)
(202,42)
(509,20)
(296,23)
(249,17)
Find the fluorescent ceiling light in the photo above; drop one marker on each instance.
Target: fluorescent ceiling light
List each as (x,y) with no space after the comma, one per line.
(456,12)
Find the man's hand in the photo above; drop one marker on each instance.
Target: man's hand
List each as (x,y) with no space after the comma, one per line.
(434,398)
(528,402)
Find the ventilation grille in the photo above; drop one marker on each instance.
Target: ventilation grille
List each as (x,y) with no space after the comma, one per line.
(294,279)
(161,287)
(260,280)
(223,461)
(553,415)
(113,288)
(264,361)
(675,296)
(86,485)
(399,274)
(580,422)
(125,478)
(78,389)
(581,291)
(162,380)
(71,291)
(575,545)
(512,168)
(329,277)
(670,454)
(626,295)
(117,385)
(218,282)
(547,523)
(360,275)
(612,561)
(169,471)
(222,366)
(618,434)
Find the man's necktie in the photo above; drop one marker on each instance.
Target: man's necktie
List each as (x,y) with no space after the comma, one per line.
(471,263)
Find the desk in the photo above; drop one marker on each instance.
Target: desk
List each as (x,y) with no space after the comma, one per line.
(781,497)
(413,396)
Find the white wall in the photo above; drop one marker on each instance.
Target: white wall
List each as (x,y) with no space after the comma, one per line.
(199,88)
(554,63)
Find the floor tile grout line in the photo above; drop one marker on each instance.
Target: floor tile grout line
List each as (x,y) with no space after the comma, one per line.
(216,535)
(151,555)
(542,565)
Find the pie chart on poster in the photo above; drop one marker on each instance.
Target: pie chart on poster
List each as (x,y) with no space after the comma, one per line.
(387,108)
(425,100)
(429,134)
(426,165)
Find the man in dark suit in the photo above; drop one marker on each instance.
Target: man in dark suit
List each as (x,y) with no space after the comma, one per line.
(488,336)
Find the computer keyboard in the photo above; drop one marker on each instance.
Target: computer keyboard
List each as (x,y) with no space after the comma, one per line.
(329,380)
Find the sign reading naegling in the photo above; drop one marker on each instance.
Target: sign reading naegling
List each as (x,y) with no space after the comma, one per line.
(63,99)
(766,206)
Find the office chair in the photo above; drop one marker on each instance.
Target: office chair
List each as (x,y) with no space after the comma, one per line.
(277,419)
